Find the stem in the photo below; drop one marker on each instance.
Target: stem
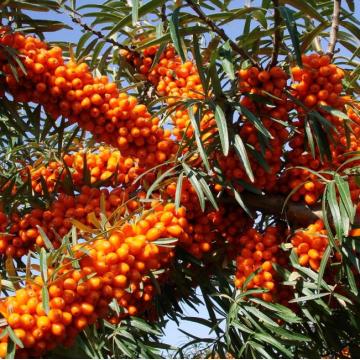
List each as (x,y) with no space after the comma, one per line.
(277,34)
(221,33)
(100,35)
(163,17)
(334,28)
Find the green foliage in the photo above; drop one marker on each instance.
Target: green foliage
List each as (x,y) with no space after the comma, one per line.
(238,322)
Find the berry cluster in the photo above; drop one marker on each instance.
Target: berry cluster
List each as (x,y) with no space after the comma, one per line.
(310,245)
(70,90)
(108,268)
(105,167)
(23,233)
(258,253)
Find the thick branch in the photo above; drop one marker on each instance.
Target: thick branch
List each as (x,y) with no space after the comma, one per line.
(221,32)
(334,28)
(295,213)
(277,34)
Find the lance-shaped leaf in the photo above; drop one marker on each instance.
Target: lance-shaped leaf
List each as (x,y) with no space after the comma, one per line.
(175,34)
(290,23)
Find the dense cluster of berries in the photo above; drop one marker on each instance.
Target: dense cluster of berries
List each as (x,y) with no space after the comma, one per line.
(106,167)
(258,253)
(317,84)
(109,268)
(70,90)
(177,81)
(209,229)
(270,86)
(23,233)
(310,245)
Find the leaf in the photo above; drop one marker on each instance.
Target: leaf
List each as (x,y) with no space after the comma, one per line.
(43,265)
(323,264)
(240,201)
(227,60)
(290,23)
(271,340)
(241,151)
(198,61)
(222,128)
(308,38)
(148,7)
(330,194)
(135,11)
(309,297)
(351,280)
(196,184)
(175,35)
(208,193)
(14,338)
(44,237)
(345,196)
(166,242)
(45,298)
(254,120)
(260,315)
(304,7)
(196,125)
(178,190)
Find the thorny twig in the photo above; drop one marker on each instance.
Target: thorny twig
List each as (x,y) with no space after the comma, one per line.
(334,28)
(100,35)
(221,33)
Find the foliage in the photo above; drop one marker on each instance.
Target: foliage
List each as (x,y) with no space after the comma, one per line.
(280,137)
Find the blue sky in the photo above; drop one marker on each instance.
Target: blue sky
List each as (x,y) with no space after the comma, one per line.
(172,335)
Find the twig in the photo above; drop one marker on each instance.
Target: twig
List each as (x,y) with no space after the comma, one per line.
(221,33)
(163,17)
(277,35)
(334,27)
(100,35)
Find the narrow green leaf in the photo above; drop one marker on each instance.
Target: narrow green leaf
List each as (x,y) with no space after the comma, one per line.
(196,184)
(178,190)
(227,60)
(323,265)
(135,11)
(290,23)
(222,128)
(45,298)
(175,35)
(241,150)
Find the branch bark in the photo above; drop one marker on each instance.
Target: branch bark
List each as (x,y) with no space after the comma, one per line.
(334,28)
(221,33)
(100,35)
(277,35)
(296,213)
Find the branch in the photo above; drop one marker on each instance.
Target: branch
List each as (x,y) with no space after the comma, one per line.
(277,35)
(100,35)
(163,17)
(295,213)
(221,33)
(334,28)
